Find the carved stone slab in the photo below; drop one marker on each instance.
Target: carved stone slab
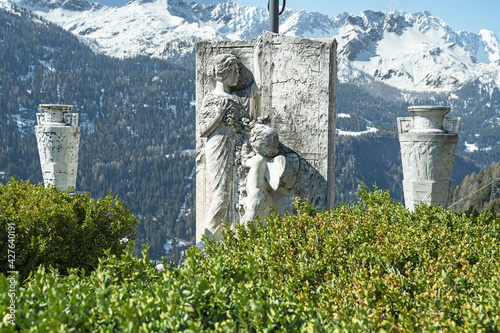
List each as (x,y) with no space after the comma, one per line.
(285,83)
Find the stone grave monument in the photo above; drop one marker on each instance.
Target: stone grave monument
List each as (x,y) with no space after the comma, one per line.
(428,141)
(265,128)
(58,137)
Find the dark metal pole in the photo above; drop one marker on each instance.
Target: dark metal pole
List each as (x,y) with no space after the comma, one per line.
(274,21)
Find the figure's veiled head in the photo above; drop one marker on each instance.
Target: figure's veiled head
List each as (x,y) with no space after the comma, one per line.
(264,140)
(225,68)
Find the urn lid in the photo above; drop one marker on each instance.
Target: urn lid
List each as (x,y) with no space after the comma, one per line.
(56,107)
(55,112)
(429,110)
(429,118)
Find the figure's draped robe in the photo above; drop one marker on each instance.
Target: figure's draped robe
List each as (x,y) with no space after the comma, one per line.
(220,152)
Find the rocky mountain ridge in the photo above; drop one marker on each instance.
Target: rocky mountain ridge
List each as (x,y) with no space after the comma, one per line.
(415,52)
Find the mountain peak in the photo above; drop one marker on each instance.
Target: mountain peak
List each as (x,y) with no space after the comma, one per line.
(413,51)
(74,5)
(491,44)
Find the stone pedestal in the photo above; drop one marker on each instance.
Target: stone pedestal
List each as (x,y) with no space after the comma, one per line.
(265,127)
(428,141)
(58,137)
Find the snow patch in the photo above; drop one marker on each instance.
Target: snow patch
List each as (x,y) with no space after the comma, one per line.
(470,147)
(353,133)
(24,125)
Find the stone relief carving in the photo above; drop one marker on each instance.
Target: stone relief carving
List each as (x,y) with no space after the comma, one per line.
(451,125)
(284,85)
(405,124)
(264,170)
(428,161)
(223,117)
(236,144)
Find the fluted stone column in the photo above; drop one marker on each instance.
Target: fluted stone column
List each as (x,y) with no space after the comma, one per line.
(428,141)
(58,137)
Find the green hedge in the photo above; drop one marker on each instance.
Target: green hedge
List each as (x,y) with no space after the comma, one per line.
(49,227)
(371,267)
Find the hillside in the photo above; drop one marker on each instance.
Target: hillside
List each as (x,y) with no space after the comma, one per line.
(479,190)
(410,51)
(136,116)
(418,57)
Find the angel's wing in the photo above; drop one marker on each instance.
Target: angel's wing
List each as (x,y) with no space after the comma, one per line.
(274,171)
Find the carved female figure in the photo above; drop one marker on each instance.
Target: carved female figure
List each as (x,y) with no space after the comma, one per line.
(221,123)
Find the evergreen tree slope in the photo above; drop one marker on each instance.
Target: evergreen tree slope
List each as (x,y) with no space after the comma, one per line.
(478,190)
(136,116)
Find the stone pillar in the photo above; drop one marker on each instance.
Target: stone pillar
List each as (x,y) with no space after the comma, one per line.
(428,141)
(58,137)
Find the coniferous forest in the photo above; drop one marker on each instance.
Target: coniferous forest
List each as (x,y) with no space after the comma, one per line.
(136,115)
(138,124)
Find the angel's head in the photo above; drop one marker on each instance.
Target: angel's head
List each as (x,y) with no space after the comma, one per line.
(264,140)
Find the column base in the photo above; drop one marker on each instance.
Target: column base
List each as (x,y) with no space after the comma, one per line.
(431,193)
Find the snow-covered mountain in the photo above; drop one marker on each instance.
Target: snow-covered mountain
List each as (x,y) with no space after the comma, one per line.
(416,52)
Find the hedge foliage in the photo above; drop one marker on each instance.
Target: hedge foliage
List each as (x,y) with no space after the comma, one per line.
(51,227)
(371,267)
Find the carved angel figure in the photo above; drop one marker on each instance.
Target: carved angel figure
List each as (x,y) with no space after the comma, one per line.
(264,172)
(221,123)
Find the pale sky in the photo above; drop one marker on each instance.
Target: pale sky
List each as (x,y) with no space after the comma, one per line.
(468,15)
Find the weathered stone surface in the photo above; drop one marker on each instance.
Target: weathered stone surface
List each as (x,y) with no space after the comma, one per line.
(284,85)
(58,137)
(263,173)
(428,141)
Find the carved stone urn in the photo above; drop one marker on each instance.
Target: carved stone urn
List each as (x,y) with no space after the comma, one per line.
(58,137)
(428,141)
